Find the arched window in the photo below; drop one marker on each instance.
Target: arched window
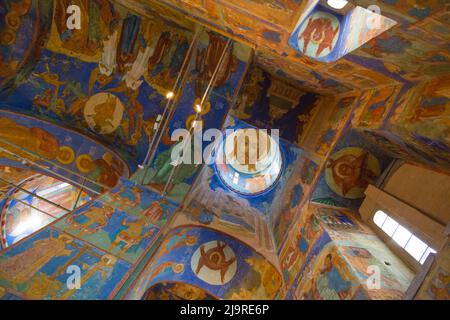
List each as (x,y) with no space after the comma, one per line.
(34,203)
(414,246)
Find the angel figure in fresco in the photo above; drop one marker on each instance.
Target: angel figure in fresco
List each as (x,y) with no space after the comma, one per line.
(319,31)
(107,64)
(135,112)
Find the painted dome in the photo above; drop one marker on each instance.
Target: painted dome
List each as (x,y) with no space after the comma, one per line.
(249,161)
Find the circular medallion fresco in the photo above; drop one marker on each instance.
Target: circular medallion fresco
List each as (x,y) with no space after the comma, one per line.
(318,35)
(103,112)
(249,161)
(350,170)
(214,262)
(66,155)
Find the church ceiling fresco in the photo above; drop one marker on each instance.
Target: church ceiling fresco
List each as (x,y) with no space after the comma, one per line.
(88,101)
(220,265)
(415,48)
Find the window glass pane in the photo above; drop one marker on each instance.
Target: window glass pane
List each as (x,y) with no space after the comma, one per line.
(379,218)
(425,255)
(389,226)
(416,247)
(401,236)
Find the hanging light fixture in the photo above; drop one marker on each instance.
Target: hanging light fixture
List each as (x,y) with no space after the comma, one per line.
(169,95)
(169,108)
(198,109)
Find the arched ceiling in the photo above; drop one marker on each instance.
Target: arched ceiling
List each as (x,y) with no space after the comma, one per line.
(415,48)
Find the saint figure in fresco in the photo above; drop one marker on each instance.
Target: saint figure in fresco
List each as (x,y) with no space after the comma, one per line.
(329,284)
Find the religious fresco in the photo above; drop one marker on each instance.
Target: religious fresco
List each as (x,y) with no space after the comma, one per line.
(247,216)
(268,101)
(123,222)
(422,121)
(126,63)
(317,34)
(332,257)
(375,107)
(222,94)
(24,25)
(215,234)
(74,155)
(292,196)
(421,24)
(215,262)
(436,285)
(176,291)
(36,268)
(327,35)
(299,243)
(335,124)
(353,165)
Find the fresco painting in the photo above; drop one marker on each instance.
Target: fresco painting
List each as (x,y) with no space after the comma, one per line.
(300,242)
(23,26)
(268,101)
(352,165)
(83,105)
(43,142)
(123,222)
(36,268)
(336,123)
(331,260)
(176,291)
(240,273)
(317,35)
(375,108)
(123,77)
(436,284)
(204,62)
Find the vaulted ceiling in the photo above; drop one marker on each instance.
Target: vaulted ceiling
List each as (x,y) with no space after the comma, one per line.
(417,47)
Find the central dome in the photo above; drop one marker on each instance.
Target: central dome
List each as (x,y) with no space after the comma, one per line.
(252,161)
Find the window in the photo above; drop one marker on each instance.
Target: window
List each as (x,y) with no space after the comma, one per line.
(415,247)
(25,211)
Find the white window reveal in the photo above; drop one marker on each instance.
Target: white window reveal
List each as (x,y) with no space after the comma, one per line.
(418,249)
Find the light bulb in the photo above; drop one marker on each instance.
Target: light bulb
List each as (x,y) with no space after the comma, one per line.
(169,95)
